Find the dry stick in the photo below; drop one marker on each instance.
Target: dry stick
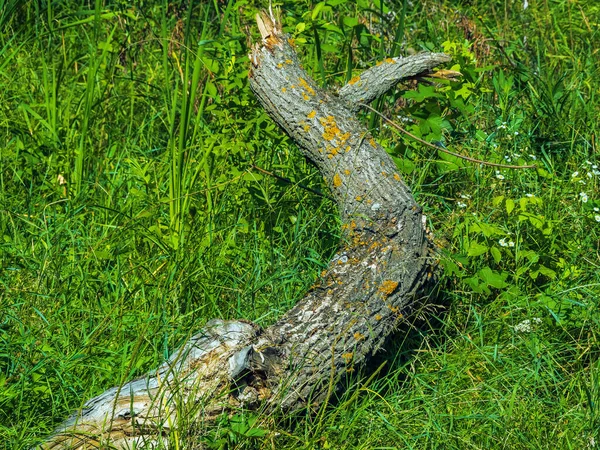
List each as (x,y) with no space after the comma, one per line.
(478,161)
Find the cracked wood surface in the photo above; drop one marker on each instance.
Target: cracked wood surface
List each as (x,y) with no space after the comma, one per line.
(381,273)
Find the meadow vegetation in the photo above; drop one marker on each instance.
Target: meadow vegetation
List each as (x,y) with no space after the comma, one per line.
(143,192)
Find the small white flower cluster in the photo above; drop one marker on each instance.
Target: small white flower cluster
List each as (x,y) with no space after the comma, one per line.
(590,172)
(583,197)
(526,325)
(499,175)
(503,243)
(597,216)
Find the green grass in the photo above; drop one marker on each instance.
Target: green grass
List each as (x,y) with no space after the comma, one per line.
(130,213)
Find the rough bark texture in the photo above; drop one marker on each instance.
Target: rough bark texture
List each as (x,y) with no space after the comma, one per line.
(381,272)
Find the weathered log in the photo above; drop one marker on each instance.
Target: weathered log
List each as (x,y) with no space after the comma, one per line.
(380,274)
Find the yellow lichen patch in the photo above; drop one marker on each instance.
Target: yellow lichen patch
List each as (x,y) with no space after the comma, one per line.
(373,143)
(394,309)
(348,357)
(359,336)
(379,63)
(311,114)
(306,128)
(387,287)
(292,42)
(354,80)
(397,177)
(330,156)
(283,90)
(384,174)
(279,66)
(358,198)
(390,61)
(346,172)
(347,149)
(305,97)
(288,61)
(352,224)
(306,86)
(378,317)
(337,181)
(330,129)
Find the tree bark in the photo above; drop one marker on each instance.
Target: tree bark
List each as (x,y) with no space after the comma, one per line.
(381,273)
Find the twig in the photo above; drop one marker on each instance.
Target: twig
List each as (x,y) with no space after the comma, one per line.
(442,149)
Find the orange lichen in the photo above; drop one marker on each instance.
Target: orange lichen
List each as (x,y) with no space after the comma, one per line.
(311,114)
(387,287)
(288,61)
(394,309)
(390,61)
(306,86)
(354,80)
(283,90)
(373,143)
(397,177)
(346,172)
(305,97)
(348,357)
(384,174)
(292,42)
(337,181)
(359,336)
(347,149)
(330,129)
(378,317)
(279,66)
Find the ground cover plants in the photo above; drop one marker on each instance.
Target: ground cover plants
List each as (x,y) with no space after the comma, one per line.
(143,192)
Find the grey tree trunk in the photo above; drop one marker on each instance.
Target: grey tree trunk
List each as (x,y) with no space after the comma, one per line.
(381,273)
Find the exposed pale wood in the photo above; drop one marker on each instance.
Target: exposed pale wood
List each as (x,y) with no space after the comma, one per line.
(381,273)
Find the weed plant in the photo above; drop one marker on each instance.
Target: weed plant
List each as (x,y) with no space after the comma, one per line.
(132,212)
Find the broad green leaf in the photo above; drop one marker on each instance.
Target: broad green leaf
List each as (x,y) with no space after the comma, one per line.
(476,249)
(510,205)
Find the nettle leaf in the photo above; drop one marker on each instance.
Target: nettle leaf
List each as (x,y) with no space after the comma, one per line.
(422,93)
(492,278)
(510,205)
(476,249)
(495,252)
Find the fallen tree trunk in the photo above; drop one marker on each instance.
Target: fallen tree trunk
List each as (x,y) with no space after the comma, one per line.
(381,273)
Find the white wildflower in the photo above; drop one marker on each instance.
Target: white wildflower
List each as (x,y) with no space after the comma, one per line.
(503,243)
(529,195)
(516,133)
(574,174)
(583,197)
(461,204)
(523,327)
(526,325)
(465,196)
(597,217)
(596,209)
(589,175)
(499,175)
(532,156)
